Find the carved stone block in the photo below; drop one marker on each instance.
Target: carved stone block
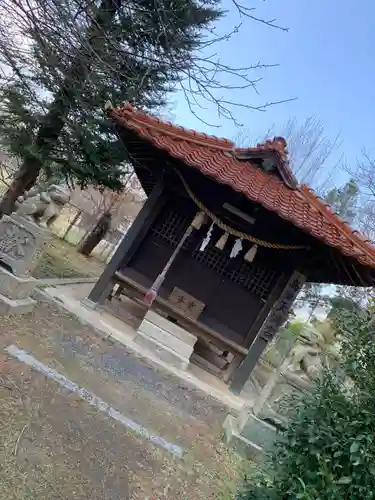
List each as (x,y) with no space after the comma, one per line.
(16,306)
(21,244)
(15,287)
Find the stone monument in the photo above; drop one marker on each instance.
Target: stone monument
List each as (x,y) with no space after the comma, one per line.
(21,244)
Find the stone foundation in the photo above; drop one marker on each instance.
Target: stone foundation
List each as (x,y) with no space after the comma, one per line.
(16,306)
(15,287)
(249,435)
(15,293)
(169,341)
(21,244)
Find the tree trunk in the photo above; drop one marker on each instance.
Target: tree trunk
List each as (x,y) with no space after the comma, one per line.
(97,234)
(53,122)
(24,180)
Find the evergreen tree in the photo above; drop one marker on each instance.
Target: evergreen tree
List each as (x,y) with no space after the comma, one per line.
(63,59)
(344,200)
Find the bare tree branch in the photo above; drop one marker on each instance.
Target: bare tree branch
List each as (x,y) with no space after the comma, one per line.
(249,12)
(56,51)
(311,151)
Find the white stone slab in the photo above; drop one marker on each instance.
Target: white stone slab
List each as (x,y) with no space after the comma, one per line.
(165,338)
(171,327)
(163,352)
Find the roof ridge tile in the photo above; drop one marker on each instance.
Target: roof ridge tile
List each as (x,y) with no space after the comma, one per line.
(127,111)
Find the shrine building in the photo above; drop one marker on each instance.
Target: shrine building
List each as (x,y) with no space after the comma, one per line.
(225,241)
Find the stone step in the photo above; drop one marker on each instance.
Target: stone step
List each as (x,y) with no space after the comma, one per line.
(165,338)
(171,327)
(163,352)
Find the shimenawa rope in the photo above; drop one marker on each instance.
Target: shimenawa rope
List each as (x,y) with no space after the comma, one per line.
(234,232)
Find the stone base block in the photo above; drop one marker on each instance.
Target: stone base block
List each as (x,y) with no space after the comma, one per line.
(270,415)
(170,327)
(249,435)
(15,287)
(163,352)
(169,341)
(16,306)
(255,430)
(165,338)
(241,444)
(89,304)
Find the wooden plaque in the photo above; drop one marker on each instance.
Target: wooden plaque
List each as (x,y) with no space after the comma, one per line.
(189,305)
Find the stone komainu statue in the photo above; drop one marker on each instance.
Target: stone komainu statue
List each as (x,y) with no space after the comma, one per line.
(43,207)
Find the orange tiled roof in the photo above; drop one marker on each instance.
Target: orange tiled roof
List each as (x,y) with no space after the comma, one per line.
(218,159)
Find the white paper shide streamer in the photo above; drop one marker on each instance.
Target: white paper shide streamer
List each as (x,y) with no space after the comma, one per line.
(207,239)
(237,248)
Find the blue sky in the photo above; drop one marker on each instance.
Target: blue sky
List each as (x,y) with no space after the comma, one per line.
(325,61)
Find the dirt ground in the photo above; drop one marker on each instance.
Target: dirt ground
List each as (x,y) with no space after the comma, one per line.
(61,260)
(56,446)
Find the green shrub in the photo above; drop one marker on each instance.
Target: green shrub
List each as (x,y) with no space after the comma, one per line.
(328,449)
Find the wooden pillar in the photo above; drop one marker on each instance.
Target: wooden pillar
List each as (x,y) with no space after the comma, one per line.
(274,320)
(129,244)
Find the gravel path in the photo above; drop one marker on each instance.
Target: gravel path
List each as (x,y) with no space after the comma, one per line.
(57,446)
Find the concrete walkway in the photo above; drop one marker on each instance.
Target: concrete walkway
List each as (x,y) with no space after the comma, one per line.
(70,297)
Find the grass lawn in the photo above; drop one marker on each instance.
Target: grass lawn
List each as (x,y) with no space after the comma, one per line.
(61,260)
